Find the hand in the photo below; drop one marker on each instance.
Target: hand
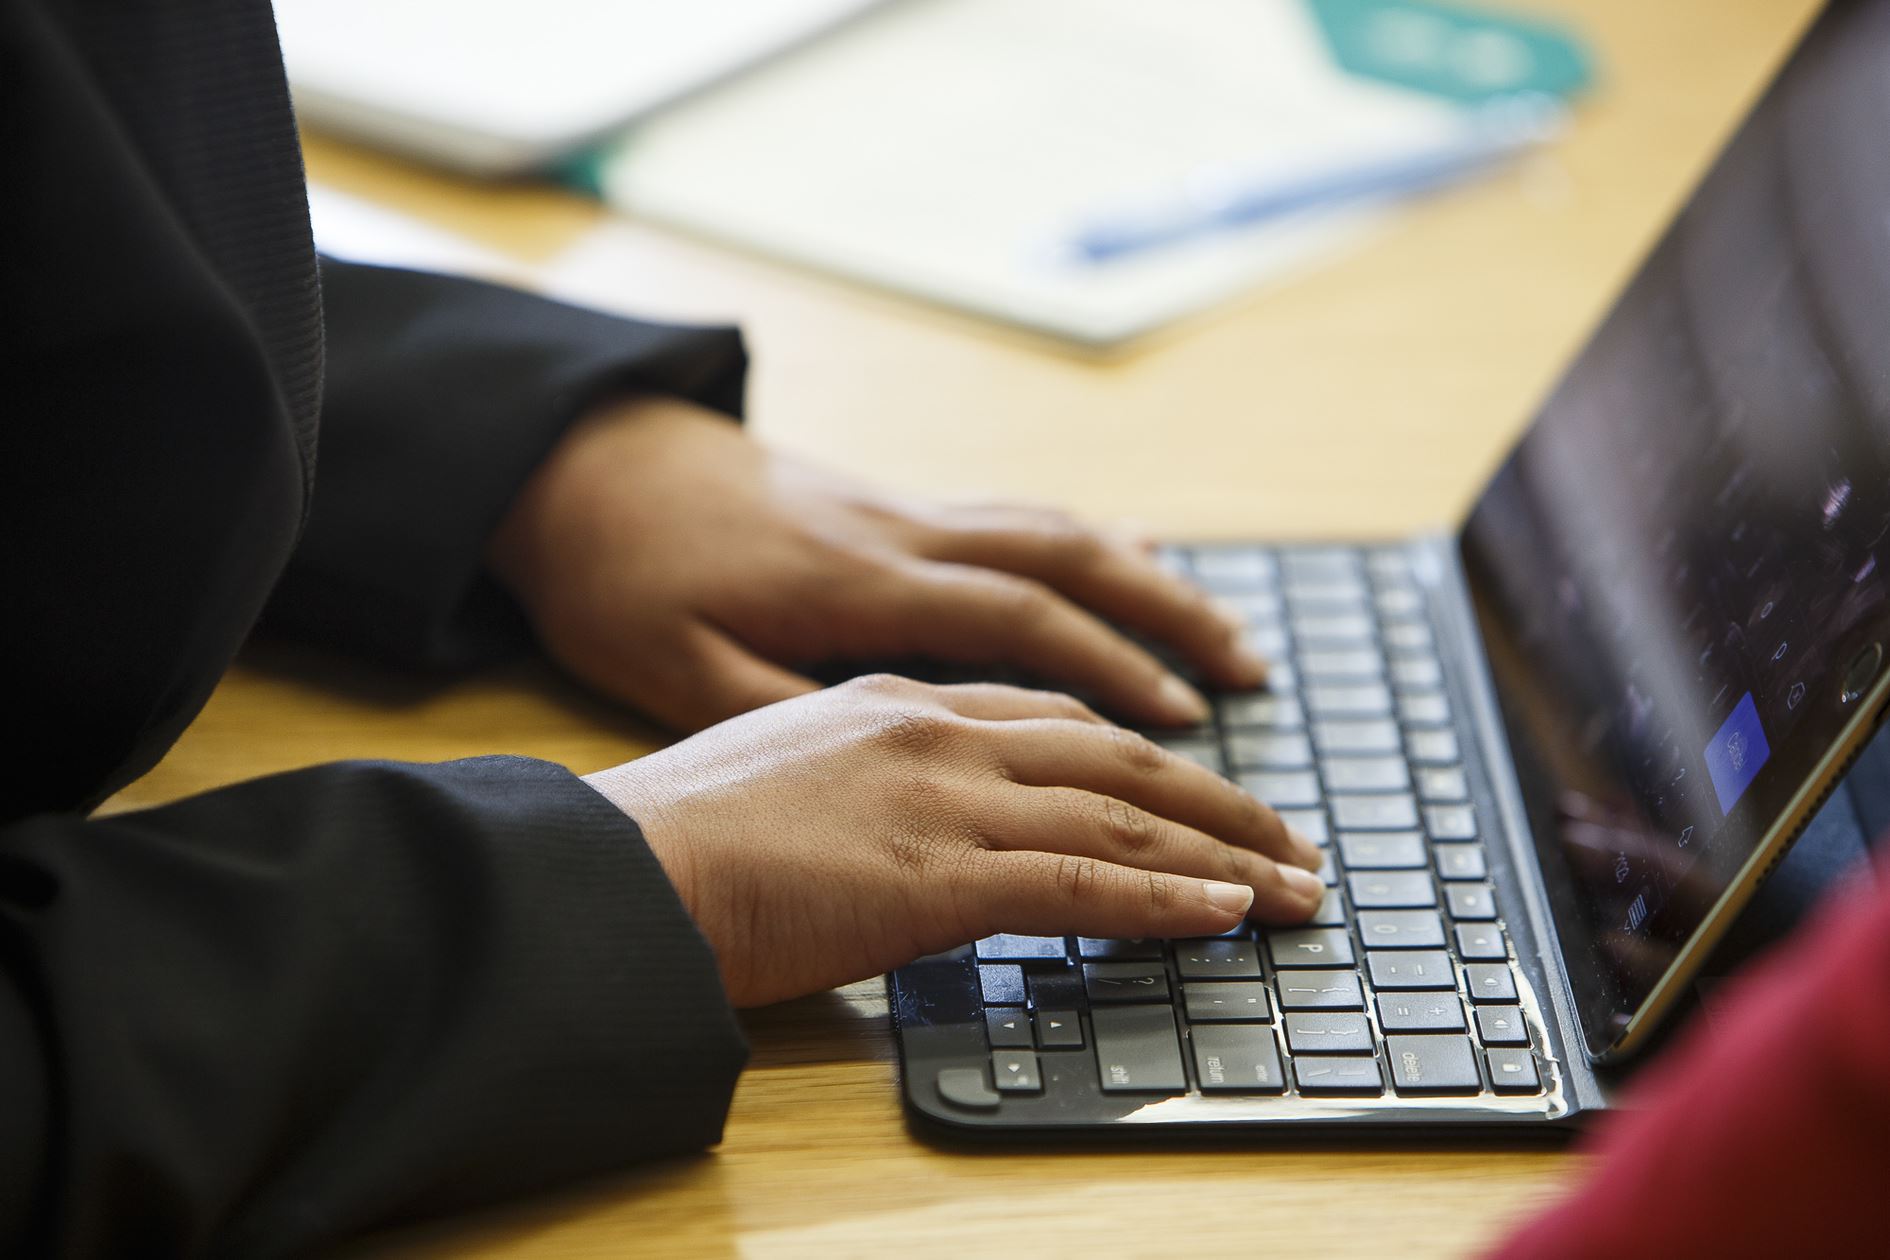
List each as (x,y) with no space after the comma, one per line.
(669,560)
(832,837)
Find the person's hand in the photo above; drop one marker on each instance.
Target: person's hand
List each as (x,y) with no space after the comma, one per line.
(671,561)
(832,837)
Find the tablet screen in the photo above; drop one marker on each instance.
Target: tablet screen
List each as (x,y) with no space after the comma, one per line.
(1688,552)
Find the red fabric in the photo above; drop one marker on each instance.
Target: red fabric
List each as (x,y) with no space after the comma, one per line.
(1766,1131)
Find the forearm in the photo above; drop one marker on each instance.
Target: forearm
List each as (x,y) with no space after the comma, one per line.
(285,1011)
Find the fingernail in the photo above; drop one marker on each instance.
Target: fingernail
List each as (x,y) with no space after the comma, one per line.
(1303,884)
(1250,661)
(1183,701)
(1230,616)
(1310,855)
(1233,898)
(1134,534)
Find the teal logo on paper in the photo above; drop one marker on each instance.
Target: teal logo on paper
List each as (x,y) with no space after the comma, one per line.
(1464,55)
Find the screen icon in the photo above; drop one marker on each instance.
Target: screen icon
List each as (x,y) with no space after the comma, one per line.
(1735,753)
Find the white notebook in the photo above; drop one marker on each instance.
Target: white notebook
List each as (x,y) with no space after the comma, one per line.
(946,148)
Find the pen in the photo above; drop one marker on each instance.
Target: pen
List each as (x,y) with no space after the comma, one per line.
(1217,199)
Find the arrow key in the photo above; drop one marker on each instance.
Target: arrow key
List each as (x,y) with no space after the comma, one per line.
(1015,1072)
(1059,1030)
(1008,1028)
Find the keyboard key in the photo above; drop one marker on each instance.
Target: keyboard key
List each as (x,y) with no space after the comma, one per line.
(1309,947)
(1450,822)
(1365,774)
(1398,602)
(1137,1049)
(1118,950)
(1313,564)
(1335,1074)
(964,1087)
(1460,861)
(1269,750)
(1342,663)
(1390,812)
(1320,991)
(1237,1058)
(1344,738)
(1347,590)
(1513,1072)
(1420,1012)
(1338,627)
(1331,911)
(1233,568)
(1283,788)
(1002,984)
(1416,673)
(1384,851)
(1019,948)
(1416,970)
(1428,708)
(1267,640)
(1433,1065)
(1392,890)
(1348,700)
(1254,607)
(1217,959)
(1408,636)
(1489,982)
(1225,1001)
(1007,1027)
(1502,1026)
(1125,982)
(1389,565)
(1470,902)
(1328,1032)
(1202,752)
(1263,710)
(1059,1030)
(1443,784)
(1015,1072)
(1432,748)
(1328,869)
(1310,823)
(1401,929)
(1480,942)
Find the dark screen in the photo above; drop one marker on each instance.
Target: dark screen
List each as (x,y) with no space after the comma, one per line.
(1679,562)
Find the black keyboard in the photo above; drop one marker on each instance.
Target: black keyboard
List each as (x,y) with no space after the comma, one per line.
(1402,985)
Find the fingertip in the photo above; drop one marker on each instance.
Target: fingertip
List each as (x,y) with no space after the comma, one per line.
(1230,899)
(1305,853)
(1304,885)
(1180,703)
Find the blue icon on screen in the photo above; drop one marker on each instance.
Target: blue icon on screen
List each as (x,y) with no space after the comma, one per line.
(1735,753)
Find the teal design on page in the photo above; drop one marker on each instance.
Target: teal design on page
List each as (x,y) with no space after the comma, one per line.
(1462,54)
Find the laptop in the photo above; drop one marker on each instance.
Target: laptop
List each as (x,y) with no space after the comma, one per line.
(1550,756)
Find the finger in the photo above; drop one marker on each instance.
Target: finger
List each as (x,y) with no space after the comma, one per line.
(709,678)
(979,616)
(1129,767)
(1000,702)
(1088,824)
(1113,577)
(1063,894)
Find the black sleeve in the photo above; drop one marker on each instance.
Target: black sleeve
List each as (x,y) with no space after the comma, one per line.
(442,395)
(263,1018)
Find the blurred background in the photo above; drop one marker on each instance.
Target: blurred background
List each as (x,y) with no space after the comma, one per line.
(1227,267)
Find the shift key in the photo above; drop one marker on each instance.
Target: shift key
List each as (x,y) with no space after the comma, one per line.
(1137,1049)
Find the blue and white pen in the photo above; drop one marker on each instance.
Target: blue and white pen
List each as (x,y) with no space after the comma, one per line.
(1222,199)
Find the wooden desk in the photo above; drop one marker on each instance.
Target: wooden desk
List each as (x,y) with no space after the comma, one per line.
(1411,365)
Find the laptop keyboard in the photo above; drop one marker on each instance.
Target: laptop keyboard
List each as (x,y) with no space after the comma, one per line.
(1402,983)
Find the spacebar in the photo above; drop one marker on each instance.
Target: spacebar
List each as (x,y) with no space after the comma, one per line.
(1137,1049)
